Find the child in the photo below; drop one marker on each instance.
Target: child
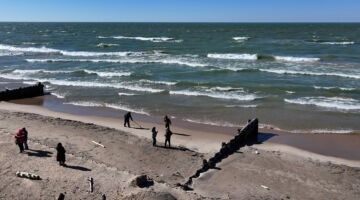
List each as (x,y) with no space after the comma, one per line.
(60,154)
(154,133)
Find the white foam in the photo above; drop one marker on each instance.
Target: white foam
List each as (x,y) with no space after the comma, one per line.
(85,104)
(108,74)
(338,43)
(60,96)
(126,108)
(152,39)
(127,60)
(338,131)
(157,82)
(328,102)
(233,56)
(218,95)
(105,45)
(330,88)
(283,71)
(295,59)
(242,106)
(290,92)
(224,124)
(65,53)
(126,94)
(11,54)
(241,39)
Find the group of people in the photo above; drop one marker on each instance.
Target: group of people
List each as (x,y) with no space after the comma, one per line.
(167,121)
(21,139)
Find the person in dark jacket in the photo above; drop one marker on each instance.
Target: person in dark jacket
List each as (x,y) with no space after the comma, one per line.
(167,121)
(168,134)
(25,138)
(19,140)
(127,118)
(60,154)
(154,133)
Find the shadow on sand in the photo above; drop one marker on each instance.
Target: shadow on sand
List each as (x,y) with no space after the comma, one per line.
(174,148)
(77,168)
(181,134)
(38,153)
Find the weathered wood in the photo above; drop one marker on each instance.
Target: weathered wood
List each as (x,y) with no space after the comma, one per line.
(22,92)
(91,184)
(61,196)
(27,175)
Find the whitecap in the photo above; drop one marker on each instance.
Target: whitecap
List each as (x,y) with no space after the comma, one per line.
(218,95)
(283,71)
(328,102)
(233,56)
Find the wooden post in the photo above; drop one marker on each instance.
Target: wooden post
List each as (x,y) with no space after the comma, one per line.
(91,182)
(61,196)
(103,197)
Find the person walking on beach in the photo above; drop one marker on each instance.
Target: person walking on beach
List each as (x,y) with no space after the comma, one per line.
(154,134)
(60,157)
(167,121)
(19,140)
(168,134)
(25,138)
(127,118)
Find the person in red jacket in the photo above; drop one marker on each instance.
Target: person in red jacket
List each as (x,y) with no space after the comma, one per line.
(19,139)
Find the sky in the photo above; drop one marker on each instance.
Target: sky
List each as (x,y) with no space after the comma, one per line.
(180,10)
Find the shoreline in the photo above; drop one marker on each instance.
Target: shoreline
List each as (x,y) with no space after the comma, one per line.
(339,148)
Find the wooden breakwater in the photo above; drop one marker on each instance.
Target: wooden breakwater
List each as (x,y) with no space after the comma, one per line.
(22,92)
(247,135)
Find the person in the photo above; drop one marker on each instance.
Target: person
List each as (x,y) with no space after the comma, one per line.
(19,140)
(60,154)
(127,118)
(167,121)
(25,138)
(168,134)
(154,133)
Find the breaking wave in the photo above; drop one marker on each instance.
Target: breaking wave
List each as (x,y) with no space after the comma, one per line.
(328,102)
(107,105)
(241,39)
(127,60)
(217,95)
(335,88)
(46,50)
(282,71)
(224,124)
(234,56)
(105,45)
(151,39)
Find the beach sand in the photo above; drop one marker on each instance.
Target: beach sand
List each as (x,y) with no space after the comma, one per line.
(292,171)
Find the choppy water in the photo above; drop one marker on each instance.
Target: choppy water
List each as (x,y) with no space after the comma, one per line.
(292,76)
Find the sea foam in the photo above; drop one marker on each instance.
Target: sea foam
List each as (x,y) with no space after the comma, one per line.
(328,102)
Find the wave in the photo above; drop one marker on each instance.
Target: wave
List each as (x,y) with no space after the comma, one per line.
(60,96)
(46,50)
(335,88)
(126,94)
(114,106)
(152,39)
(328,102)
(105,45)
(282,71)
(132,61)
(338,131)
(241,39)
(338,43)
(217,95)
(11,54)
(157,82)
(224,124)
(233,56)
(242,106)
(108,74)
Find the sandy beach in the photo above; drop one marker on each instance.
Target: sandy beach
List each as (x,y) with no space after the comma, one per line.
(278,171)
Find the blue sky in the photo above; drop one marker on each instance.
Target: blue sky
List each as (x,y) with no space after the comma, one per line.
(181,10)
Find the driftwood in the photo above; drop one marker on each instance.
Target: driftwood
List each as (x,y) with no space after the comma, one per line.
(61,196)
(22,92)
(91,184)
(28,175)
(98,144)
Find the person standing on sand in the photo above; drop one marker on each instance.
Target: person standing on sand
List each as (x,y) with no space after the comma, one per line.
(19,140)
(127,118)
(25,138)
(168,134)
(167,121)
(60,154)
(154,133)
